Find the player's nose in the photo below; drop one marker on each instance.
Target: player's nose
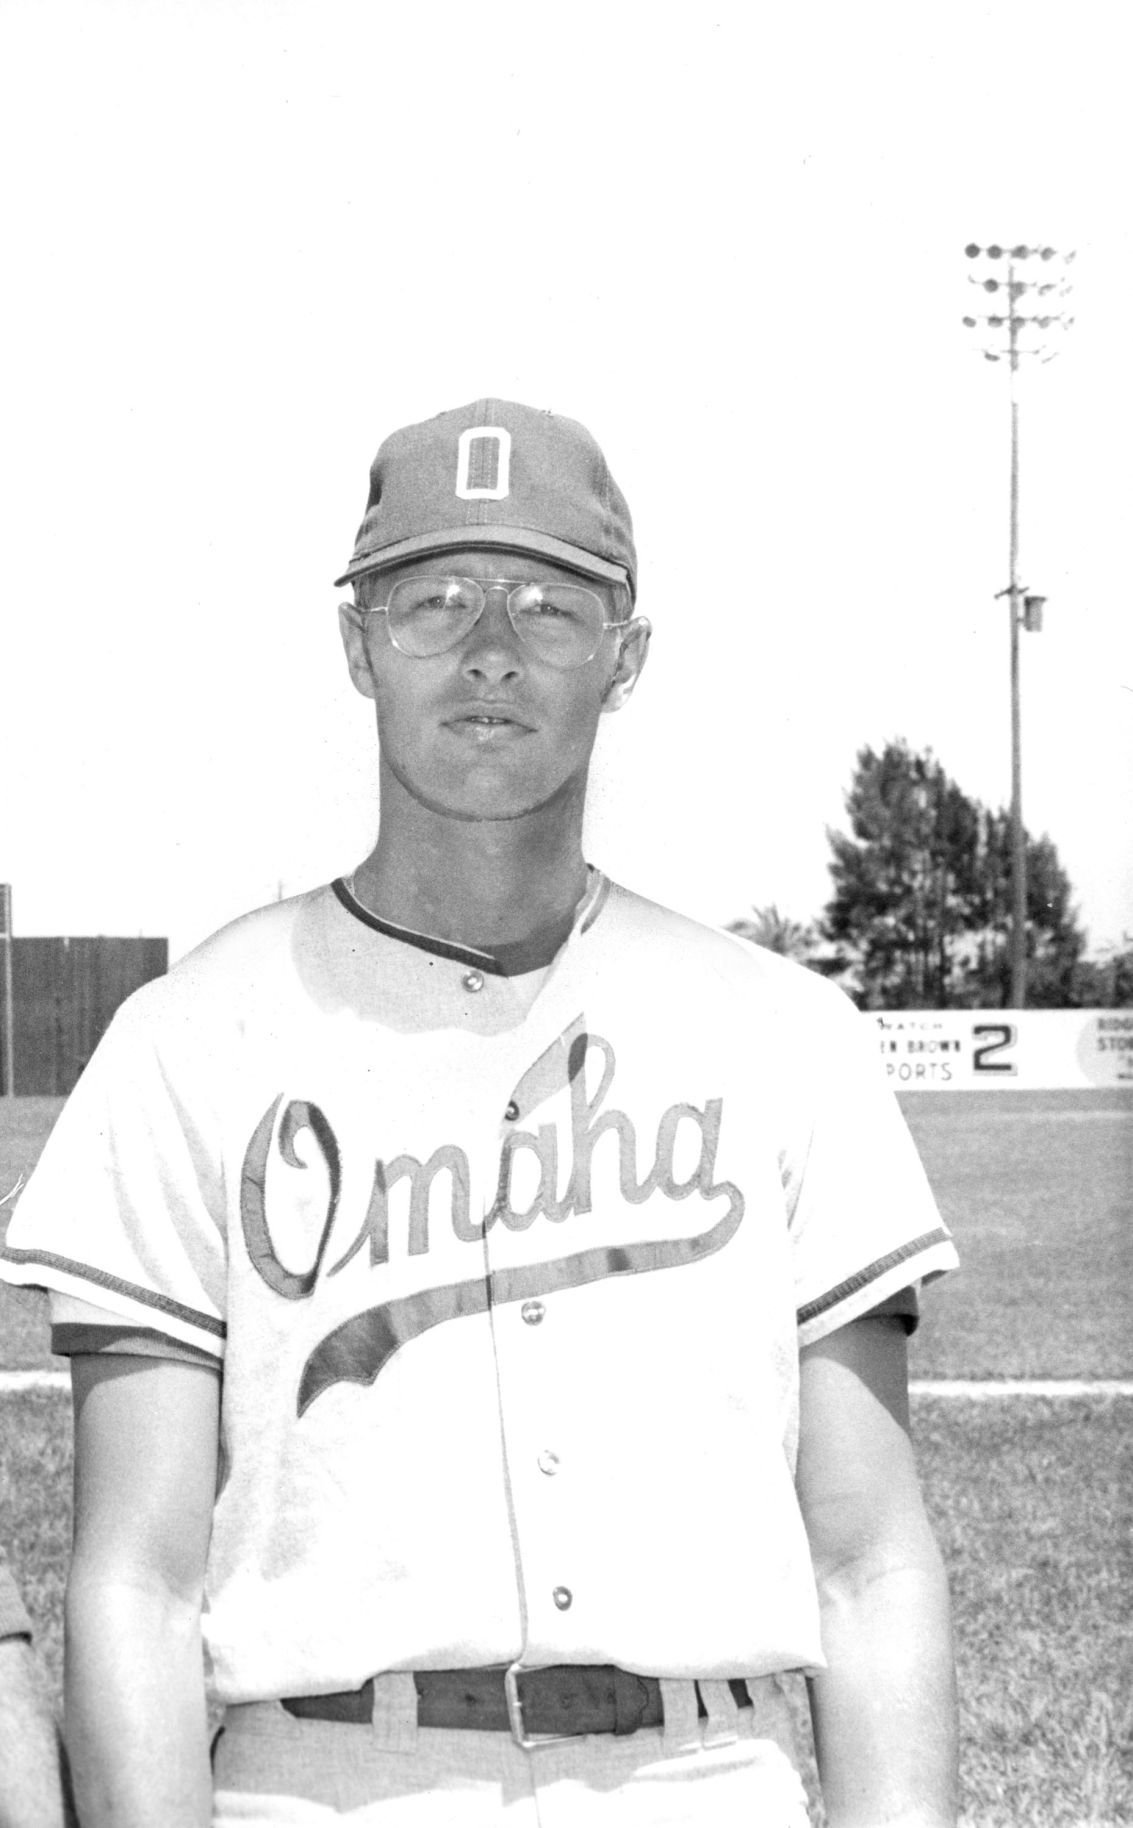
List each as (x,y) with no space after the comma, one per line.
(492,648)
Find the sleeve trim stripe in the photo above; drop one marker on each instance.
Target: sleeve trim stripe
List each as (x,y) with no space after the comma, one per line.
(863,1277)
(206,1323)
(72,1339)
(14,1621)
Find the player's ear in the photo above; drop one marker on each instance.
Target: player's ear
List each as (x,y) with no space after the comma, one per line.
(634,646)
(352,626)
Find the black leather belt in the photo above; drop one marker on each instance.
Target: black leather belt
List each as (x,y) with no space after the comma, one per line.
(535,1704)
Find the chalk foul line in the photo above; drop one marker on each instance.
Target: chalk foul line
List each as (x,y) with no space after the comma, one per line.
(14,1383)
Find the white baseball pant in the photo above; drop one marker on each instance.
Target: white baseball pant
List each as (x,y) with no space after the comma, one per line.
(734,1769)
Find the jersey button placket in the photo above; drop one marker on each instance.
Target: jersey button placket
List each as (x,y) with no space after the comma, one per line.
(542,1539)
(531,1312)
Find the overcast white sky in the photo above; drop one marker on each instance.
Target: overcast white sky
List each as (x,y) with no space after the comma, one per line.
(244,241)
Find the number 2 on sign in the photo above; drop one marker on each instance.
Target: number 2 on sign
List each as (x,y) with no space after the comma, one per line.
(1001,1035)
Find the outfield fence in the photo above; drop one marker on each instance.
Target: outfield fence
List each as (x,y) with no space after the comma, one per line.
(56,1001)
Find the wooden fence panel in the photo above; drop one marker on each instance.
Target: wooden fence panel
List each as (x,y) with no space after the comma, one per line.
(64,992)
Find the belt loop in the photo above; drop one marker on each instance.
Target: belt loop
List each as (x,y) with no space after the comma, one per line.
(681,1722)
(395,1711)
(771,1713)
(630,1699)
(722,1726)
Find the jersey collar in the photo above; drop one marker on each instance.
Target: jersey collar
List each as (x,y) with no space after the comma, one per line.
(506,961)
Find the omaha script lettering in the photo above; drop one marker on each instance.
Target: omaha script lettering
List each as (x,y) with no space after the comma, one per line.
(357,1350)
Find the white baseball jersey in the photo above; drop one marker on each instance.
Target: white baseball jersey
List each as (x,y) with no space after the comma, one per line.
(508,1276)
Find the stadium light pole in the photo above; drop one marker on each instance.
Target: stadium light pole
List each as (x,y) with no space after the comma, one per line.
(1015,333)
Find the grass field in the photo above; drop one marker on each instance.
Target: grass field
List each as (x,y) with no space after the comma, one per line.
(1031,1497)
(1038,1190)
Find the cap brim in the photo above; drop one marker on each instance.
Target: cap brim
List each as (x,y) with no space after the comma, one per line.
(508,539)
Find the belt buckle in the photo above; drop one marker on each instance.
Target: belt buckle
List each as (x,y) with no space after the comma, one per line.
(529,1742)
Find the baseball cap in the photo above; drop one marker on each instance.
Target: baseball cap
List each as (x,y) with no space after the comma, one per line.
(494,473)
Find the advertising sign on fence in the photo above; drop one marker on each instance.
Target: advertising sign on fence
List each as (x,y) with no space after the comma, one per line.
(1022,1049)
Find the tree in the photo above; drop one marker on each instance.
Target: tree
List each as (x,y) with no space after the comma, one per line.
(1105,982)
(777,933)
(1054,941)
(922,893)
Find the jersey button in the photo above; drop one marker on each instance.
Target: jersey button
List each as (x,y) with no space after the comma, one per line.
(512,1111)
(548,1462)
(563,1598)
(473,980)
(532,1312)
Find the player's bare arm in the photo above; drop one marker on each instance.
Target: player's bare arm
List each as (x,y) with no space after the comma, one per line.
(145,1479)
(885,1710)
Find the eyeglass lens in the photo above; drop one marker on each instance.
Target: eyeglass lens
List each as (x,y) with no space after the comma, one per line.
(561,623)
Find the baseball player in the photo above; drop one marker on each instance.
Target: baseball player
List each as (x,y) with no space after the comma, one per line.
(31,1784)
(486,1290)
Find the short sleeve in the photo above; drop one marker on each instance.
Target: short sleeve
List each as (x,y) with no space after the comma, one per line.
(14,1621)
(125,1208)
(903,1306)
(863,1221)
(78,1329)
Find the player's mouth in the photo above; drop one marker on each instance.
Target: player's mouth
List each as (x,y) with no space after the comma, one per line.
(487,724)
